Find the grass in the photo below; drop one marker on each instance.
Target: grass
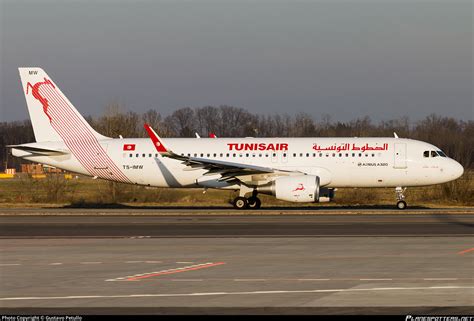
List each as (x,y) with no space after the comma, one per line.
(84,191)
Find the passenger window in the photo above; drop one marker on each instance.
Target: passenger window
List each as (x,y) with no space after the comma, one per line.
(307,155)
(137,155)
(426,153)
(433,154)
(294,154)
(284,154)
(131,155)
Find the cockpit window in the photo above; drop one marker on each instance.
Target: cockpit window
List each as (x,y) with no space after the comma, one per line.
(440,153)
(426,153)
(434,154)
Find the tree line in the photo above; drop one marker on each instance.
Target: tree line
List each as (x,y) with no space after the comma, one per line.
(454,137)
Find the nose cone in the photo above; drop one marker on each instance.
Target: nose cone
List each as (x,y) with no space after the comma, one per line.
(456,170)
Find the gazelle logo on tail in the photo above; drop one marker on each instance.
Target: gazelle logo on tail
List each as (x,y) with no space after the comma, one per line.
(35,92)
(63,123)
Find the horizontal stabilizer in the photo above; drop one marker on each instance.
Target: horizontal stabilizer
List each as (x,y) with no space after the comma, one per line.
(39,150)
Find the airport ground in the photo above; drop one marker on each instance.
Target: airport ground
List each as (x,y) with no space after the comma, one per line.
(285,260)
(81,191)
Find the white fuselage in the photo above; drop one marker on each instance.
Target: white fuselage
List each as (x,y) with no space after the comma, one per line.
(339,162)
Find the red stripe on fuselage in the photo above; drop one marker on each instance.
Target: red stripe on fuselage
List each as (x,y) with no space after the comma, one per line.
(78,137)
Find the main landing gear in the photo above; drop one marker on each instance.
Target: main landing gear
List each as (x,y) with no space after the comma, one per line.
(401,204)
(253,202)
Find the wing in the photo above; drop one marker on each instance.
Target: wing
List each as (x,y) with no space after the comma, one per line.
(229,170)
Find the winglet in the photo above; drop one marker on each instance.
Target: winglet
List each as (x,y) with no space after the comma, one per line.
(212,135)
(157,142)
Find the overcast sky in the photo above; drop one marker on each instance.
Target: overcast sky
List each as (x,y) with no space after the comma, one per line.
(348,59)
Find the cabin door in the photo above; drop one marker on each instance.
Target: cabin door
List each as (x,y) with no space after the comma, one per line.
(400,156)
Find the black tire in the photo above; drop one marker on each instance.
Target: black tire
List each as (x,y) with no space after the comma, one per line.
(254,202)
(401,205)
(241,203)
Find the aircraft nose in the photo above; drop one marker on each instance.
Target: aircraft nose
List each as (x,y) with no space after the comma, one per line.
(456,170)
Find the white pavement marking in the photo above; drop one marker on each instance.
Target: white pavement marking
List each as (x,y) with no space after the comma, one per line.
(440,279)
(249,280)
(231,293)
(91,262)
(375,279)
(58,263)
(133,262)
(314,279)
(153,262)
(184,262)
(9,264)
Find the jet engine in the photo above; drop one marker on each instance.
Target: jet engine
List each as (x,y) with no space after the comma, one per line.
(300,188)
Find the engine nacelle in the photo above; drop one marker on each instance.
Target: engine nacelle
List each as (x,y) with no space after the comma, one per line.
(301,188)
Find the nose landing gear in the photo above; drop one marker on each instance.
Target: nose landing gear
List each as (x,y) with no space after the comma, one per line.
(401,204)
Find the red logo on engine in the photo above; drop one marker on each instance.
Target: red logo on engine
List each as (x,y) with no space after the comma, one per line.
(37,95)
(300,187)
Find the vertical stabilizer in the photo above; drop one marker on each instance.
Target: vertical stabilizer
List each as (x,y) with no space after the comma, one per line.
(53,117)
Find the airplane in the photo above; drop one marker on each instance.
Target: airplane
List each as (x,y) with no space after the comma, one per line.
(291,169)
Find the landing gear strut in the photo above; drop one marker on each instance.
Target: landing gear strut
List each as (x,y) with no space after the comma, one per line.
(401,204)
